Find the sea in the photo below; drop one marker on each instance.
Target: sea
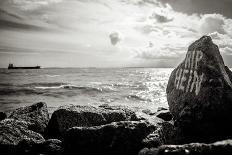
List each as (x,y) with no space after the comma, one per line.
(137,88)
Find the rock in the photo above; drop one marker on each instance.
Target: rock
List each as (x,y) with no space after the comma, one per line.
(36,114)
(130,114)
(124,138)
(52,147)
(217,148)
(161,108)
(12,131)
(48,147)
(148,112)
(2,116)
(199,94)
(153,140)
(165,115)
(164,134)
(84,116)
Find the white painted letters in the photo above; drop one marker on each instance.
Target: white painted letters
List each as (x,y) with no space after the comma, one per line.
(187,78)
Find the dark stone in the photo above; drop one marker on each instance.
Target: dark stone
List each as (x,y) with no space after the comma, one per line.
(164,134)
(2,116)
(130,114)
(84,116)
(36,114)
(199,94)
(161,108)
(165,115)
(124,138)
(48,147)
(52,147)
(12,131)
(148,112)
(217,148)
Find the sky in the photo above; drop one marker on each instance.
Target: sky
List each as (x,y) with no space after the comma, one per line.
(110,33)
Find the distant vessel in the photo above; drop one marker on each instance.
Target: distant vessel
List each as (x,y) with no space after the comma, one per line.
(11,66)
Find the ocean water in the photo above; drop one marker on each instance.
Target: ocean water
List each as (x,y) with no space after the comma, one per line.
(138,88)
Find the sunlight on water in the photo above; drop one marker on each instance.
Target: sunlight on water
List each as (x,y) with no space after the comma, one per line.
(139,88)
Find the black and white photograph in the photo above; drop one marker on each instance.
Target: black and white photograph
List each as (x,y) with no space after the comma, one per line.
(116,77)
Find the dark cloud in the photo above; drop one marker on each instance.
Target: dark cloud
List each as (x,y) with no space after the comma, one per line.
(202,6)
(161,17)
(6,13)
(12,20)
(4,24)
(144,2)
(115,37)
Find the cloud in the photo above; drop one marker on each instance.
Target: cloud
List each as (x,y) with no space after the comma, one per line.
(162,15)
(115,37)
(222,40)
(153,52)
(210,23)
(154,31)
(32,4)
(227,51)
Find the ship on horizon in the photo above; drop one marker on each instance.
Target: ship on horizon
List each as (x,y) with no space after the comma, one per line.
(11,66)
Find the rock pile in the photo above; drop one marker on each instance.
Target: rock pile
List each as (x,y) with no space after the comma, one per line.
(74,130)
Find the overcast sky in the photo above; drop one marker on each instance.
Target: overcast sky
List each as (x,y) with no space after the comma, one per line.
(110,33)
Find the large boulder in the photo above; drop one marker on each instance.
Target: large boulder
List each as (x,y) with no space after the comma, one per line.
(199,94)
(36,114)
(124,138)
(218,148)
(12,132)
(83,116)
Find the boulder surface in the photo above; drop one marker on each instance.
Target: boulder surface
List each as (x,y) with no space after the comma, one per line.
(13,131)
(36,114)
(199,94)
(124,138)
(84,116)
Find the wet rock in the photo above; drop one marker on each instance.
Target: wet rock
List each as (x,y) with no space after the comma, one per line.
(165,115)
(124,138)
(2,116)
(220,147)
(199,94)
(12,131)
(36,114)
(84,116)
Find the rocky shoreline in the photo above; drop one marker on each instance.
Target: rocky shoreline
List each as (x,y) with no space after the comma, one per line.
(78,130)
(199,95)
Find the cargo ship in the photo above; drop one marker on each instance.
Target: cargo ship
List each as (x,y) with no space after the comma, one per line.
(11,66)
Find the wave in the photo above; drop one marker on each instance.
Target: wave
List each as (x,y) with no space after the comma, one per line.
(135,97)
(44,84)
(51,89)
(74,87)
(19,91)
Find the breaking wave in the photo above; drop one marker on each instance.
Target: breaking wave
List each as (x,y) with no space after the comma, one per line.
(50,89)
